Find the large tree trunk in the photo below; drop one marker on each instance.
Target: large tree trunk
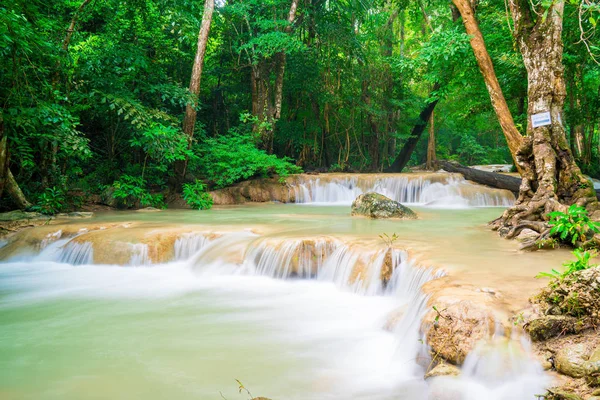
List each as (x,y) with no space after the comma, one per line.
(513,137)
(551,179)
(410,145)
(13,189)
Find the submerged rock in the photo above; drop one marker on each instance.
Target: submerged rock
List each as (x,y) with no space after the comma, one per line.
(14,220)
(77,214)
(375,205)
(443,369)
(149,209)
(21,215)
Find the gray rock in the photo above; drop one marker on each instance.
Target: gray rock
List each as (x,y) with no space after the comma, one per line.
(527,235)
(21,215)
(550,326)
(572,360)
(375,205)
(148,209)
(443,369)
(77,214)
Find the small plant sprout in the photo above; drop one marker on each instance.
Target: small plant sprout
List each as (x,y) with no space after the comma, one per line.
(389,240)
(581,262)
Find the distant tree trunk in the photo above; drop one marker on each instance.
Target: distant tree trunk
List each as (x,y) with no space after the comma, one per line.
(404,156)
(189,122)
(272,112)
(3,157)
(551,179)
(282,61)
(513,137)
(431,156)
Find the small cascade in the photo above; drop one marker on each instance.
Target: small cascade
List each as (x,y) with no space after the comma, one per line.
(432,189)
(75,253)
(381,272)
(139,255)
(289,258)
(51,237)
(189,244)
(500,369)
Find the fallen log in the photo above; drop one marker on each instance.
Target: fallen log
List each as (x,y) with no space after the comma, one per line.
(492,179)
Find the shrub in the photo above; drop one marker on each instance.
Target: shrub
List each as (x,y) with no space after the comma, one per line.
(51,201)
(573,226)
(132,190)
(195,196)
(232,158)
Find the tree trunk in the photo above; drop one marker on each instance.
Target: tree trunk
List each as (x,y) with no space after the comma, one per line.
(408,148)
(513,137)
(13,189)
(551,179)
(282,61)
(431,156)
(3,157)
(189,121)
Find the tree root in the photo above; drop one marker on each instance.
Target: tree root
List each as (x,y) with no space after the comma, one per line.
(538,226)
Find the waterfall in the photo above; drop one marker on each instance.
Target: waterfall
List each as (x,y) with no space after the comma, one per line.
(189,244)
(139,255)
(432,189)
(499,369)
(75,253)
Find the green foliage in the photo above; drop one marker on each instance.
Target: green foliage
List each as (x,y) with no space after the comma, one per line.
(51,201)
(226,160)
(581,262)
(573,226)
(196,196)
(357,75)
(132,190)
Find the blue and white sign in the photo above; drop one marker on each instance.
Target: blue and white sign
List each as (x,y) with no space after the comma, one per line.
(541,119)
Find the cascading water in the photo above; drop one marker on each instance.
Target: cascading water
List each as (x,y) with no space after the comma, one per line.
(438,190)
(318,299)
(189,244)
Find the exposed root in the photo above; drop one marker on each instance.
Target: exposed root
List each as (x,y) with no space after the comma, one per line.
(538,226)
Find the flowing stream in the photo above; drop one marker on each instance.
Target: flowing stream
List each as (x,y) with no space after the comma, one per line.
(293,301)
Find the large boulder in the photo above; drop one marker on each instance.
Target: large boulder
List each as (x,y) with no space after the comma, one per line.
(571,360)
(375,205)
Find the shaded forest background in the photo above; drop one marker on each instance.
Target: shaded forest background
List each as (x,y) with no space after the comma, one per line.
(101,105)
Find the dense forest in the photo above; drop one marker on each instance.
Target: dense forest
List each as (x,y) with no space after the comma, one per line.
(151,97)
